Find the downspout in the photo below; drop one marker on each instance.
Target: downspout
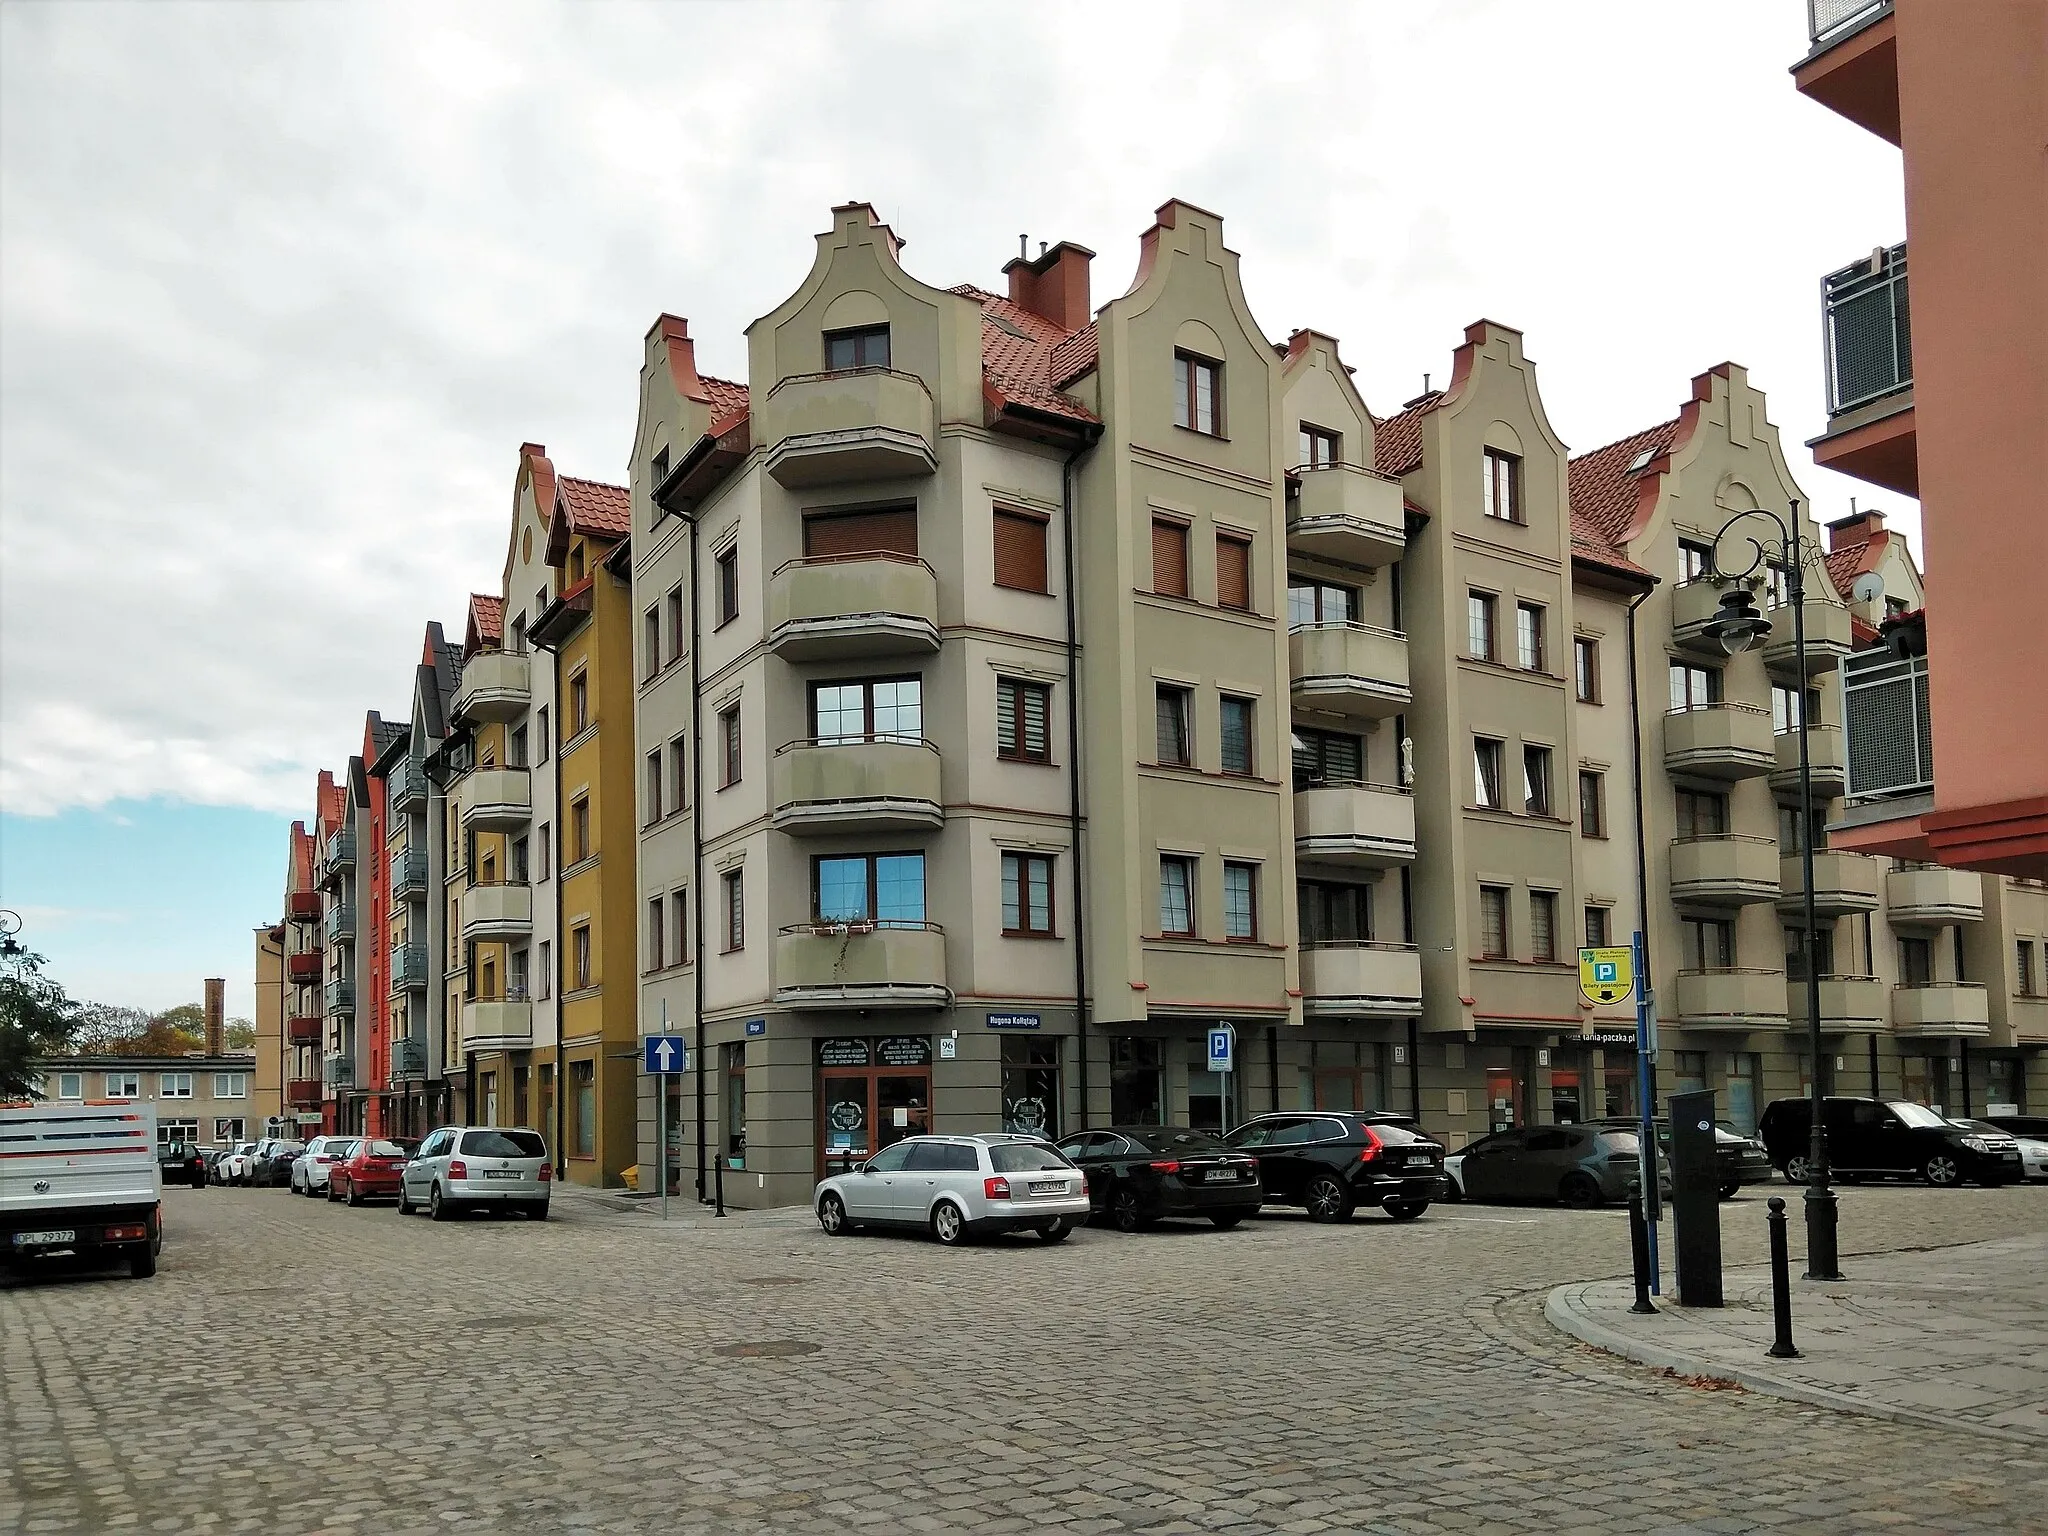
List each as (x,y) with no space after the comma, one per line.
(1074,771)
(1647,1069)
(560,958)
(696,865)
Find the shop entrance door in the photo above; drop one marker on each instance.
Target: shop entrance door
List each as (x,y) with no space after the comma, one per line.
(1503,1099)
(846,1119)
(871,1094)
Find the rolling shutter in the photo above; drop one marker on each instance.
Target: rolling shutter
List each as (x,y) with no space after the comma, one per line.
(1020,551)
(892,531)
(1233,573)
(1169,558)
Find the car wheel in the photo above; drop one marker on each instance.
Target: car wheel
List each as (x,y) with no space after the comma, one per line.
(438,1209)
(353,1197)
(1223,1221)
(832,1216)
(1407,1210)
(142,1263)
(1579,1191)
(404,1203)
(1796,1168)
(1327,1199)
(1453,1190)
(1125,1211)
(536,1210)
(333,1189)
(1728,1190)
(1942,1170)
(1056,1231)
(949,1224)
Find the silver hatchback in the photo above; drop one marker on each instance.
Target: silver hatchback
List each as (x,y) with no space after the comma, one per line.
(465,1167)
(957,1187)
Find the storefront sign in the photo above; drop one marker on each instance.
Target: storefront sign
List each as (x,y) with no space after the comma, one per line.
(905,1051)
(842,1053)
(757,1026)
(1014,1021)
(1611,1037)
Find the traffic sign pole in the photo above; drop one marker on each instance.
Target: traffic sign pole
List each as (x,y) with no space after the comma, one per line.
(661,1123)
(1646,1130)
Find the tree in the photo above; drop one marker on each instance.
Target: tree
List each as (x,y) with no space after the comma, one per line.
(241,1035)
(107,1029)
(36,1019)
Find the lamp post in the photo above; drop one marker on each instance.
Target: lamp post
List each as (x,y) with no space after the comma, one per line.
(1738,627)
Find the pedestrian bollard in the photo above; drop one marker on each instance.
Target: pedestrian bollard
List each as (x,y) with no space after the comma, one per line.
(1781,1285)
(1639,1252)
(718,1183)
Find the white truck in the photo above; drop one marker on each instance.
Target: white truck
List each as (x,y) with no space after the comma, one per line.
(80,1179)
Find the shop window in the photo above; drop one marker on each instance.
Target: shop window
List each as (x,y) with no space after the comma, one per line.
(736,1105)
(1688,1072)
(583,1083)
(1344,1075)
(1031,1086)
(1618,1083)
(1136,1095)
(1745,1073)
(1212,1096)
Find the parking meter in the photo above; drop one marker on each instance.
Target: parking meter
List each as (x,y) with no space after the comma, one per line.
(1695,1198)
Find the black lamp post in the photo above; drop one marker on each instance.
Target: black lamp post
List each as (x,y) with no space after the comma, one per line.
(1738,627)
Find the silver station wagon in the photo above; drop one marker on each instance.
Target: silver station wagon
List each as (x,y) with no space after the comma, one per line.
(958,1187)
(468,1167)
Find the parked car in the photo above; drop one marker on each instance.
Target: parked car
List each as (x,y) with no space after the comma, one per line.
(370,1170)
(466,1167)
(1577,1165)
(2033,1148)
(182,1162)
(1742,1159)
(274,1161)
(1330,1162)
(1139,1173)
(310,1173)
(1887,1138)
(957,1188)
(234,1163)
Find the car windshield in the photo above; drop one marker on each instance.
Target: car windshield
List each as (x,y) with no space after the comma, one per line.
(383,1149)
(1623,1141)
(1026,1157)
(503,1144)
(1183,1142)
(1919,1115)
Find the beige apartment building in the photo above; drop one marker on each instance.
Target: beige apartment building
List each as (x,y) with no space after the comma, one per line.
(197,1097)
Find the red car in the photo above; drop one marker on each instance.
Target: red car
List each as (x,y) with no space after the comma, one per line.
(371,1169)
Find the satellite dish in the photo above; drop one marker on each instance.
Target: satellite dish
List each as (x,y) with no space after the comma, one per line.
(1869,588)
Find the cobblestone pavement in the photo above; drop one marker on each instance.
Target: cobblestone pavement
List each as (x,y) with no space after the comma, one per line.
(507,1376)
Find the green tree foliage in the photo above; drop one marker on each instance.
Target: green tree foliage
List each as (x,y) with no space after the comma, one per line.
(106,1029)
(36,1020)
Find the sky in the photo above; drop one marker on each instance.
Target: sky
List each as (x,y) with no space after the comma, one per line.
(283,288)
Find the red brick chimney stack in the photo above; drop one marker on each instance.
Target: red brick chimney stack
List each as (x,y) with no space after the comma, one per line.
(1853,531)
(1054,285)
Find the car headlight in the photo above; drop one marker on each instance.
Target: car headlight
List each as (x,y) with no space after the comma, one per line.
(1976,1143)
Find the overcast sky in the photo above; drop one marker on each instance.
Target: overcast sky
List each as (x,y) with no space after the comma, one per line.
(283,288)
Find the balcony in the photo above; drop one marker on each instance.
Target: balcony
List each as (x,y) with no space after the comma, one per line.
(1852,67)
(1360,977)
(1932,894)
(495,686)
(1890,735)
(341,924)
(304,1030)
(861,965)
(1731,997)
(302,907)
(1365,826)
(408,967)
(341,997)
(1827,637)
(1349,669)
(303,1093)
(1724,870)
(857,784)
(337,855)
(1349,515)
(1856,1003)
(1694,604)
(497,1023)
(497,800)
(1953,1008)
(405,787)
(409,874)
(1868,349)
(304,967)
(1719,741)
(494,914)
(1842,883)
(408,1057)
(340,1071)
(851,425)
(1823,755)
(835,606)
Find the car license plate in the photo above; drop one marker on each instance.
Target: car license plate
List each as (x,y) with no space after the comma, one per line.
(2010,1157)
(44,1239)
(501,1173)
(1421,1161)
(1049,1186)
(1221,1176)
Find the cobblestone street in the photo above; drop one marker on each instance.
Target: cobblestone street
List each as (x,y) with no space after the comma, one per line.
(505,1376)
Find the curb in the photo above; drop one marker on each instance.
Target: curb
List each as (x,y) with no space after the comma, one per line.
(1564,1309)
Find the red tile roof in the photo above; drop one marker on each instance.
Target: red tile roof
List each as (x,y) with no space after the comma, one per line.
(1016,355)
(1606,490)
(330,803)
(1077,355)
(487,613)
(1845,565)
(1397,441)
(728,403)
(597,508)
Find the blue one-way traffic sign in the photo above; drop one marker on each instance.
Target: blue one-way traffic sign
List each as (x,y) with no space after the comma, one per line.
(664,1053)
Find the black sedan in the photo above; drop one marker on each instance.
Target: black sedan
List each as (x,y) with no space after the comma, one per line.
(1331,1162)
(1139,1173)
(1741,1159)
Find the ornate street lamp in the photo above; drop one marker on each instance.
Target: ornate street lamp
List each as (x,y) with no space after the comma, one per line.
(1738,627)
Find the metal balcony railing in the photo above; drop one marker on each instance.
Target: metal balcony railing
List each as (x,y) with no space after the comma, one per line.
(408,1057)
(341,849)
(409,872)
(406,784)
(1885,719)
(341,923)
(1825,19)
(1869,332)
(340,1071)
(408,966)
(341,996)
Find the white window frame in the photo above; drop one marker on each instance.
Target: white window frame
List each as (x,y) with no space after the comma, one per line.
(174,1085)
(124,1085)
(76,1090)
(231,1085)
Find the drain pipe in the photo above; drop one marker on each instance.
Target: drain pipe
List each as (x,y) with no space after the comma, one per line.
(1074,770)
(696,865)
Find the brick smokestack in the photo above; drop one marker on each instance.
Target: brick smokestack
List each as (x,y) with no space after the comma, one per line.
(216,1015)
(1055,286)
(1854,531)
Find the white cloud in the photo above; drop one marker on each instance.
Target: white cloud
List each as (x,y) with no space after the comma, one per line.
(284,287)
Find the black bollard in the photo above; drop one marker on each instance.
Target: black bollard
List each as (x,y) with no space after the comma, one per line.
(718,1182)
(1639,1253)
(1781,1285)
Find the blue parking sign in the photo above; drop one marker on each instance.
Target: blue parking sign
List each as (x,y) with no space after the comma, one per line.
(1222,1040)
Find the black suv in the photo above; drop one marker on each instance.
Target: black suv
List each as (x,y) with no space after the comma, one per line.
(1333,1161)
(1887,1138)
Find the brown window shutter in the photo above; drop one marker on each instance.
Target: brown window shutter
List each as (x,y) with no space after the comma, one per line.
(892,531)
(1169,558)
(1020,551)
(1233,573)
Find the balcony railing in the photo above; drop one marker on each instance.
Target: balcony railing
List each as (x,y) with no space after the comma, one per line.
(495,686)
(1829,20)
(341,849)
(303,1093)
(408,1057)
(1343,512)
(1885,715)
(409,873)
(406,785)
(1719,741)
(835,784)
(341,923)
(408,966)
(497,911)
(1345,977)
(885,963)
(1941,1008)
(340,1071)
(1349,668)
(497,1023)
(304,967)
(847,425)
(304,1029)
(341,997)
(1349,821)
(869,604)
(303,906)
(1868,323)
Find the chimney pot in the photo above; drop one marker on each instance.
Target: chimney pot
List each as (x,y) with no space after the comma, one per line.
(1054,285)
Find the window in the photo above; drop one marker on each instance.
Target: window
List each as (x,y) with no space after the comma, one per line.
(579,941)
(1543,925)
(1792,830)
(544,972)
(579,830)
(1916,961)
(674,602)
(1320,602)
(515,748)
(1136,1082)
(1493,922)
(71,1085)
(1596,927)
(1233,572)
(1479,629)
(1170,710)
(1700,812)
(173,1132)
(124,1085)
(518,975)
(869,531)
(1334,913)
(540,601)
(2023,954)
(1320,449)
(729,747)
(541,841)
(579,705)
(727,567)
(732,891)
(654,786)
(1176,895)
(1529,637)
(1795,950)
(1237,735)
(736,1104)
(1031,1086)
(1785,706)
(1694,687)
(678,773)
(1020,550)
(1327,757)
(1586,668)
(1503,473)
(1706,943)
(1197,394)
(1536,781)
(1486,755)
(1169,557)
(866,347)
(1240,900)
(657,933)
(1592,804)
(583,1089)
(575,562)
(1695,560)
(651,645)
(1027,895)
(679,905)
(1777,585)
(540,737)
(515,644)
(230,1085)
(868,887)
(1023,721)
(868,709)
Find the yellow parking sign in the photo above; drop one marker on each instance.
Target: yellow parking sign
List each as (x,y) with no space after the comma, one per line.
(1607,975)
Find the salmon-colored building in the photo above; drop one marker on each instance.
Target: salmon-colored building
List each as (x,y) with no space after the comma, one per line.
(1938,388)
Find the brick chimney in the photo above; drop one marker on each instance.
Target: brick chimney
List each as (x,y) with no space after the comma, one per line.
(216,1015)
(1853,531)
(1054,286)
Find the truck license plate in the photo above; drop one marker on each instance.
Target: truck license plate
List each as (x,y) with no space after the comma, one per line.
(44,1239)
